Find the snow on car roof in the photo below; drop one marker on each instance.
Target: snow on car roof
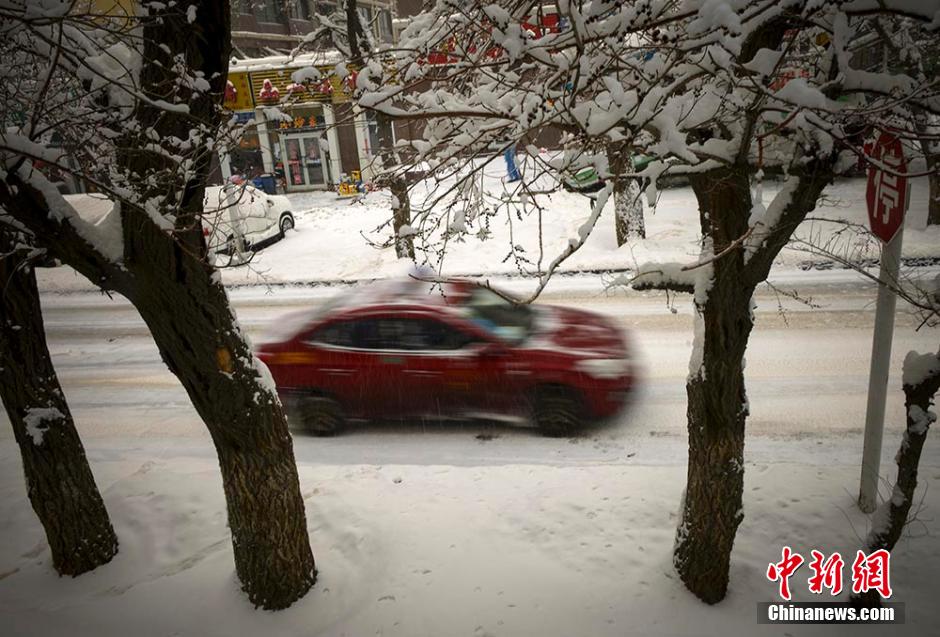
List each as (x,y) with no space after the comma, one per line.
(92,207)
(398,290)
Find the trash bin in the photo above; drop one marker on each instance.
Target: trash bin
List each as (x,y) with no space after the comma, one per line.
(267,183)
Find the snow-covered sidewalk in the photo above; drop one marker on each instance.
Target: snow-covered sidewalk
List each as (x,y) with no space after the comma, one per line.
(440,550)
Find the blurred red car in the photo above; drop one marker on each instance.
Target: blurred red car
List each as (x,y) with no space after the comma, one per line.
(407,349)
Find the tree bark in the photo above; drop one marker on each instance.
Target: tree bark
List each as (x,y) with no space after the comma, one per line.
(360,45)
(717,407)
(889,520)
(933,207)
(199,340)
(184,304)
(401,216)
(628,210)
(59,482)
(165,274)
(628,207)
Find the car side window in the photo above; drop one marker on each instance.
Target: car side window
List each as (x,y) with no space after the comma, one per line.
(409,334)
(440,336)
(337,333)
(419,334)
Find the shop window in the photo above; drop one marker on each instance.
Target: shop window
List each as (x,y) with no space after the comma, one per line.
(324,8)
(372,125)
(297,9)
(267,10)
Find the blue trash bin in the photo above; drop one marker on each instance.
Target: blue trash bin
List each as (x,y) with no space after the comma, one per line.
(266,183)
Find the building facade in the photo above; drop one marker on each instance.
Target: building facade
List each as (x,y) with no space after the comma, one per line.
(308,135)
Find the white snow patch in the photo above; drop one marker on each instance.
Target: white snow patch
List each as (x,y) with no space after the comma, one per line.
(919,367)
(920,419)
(37,419)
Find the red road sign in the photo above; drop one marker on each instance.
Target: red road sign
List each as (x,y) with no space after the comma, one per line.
(887,194)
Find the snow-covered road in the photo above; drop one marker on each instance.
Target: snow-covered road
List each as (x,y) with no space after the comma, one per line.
(806,376)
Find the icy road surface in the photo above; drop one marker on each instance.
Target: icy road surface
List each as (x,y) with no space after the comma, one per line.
(807,373)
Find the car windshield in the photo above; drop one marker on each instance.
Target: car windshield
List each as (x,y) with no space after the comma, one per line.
(499,317)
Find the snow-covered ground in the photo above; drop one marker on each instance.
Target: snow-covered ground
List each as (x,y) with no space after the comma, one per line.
(427,529)
(439,530)
(330,244)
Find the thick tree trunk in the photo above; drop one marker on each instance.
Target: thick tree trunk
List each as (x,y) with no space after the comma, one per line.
(187,310)
(717,408)
(59,482)
(183,302)
(628,206)
(889,520)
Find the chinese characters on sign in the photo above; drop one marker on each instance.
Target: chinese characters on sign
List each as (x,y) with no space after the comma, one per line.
(887,195)
(300,122)
(869,572)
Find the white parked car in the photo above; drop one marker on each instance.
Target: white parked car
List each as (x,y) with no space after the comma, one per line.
(261,219)
(243,210)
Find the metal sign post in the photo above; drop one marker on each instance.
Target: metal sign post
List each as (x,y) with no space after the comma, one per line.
(887,198)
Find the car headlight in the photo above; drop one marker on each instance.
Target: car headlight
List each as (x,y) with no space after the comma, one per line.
(604,367)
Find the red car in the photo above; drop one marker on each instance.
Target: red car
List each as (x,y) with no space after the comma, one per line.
(407,349)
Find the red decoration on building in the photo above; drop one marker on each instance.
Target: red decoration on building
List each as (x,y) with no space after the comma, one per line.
(268,92)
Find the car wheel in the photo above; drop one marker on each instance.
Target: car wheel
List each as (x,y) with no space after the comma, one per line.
(557,412)
(320,415)
(287,223)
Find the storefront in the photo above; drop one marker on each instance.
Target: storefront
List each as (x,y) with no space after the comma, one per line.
(302,149)
(291,130)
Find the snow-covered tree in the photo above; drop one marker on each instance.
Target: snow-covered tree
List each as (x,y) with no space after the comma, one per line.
(130,106)
(719,91)
(59,481)
(920,381)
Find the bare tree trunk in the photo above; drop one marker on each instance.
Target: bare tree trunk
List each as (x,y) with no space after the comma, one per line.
(165,274)
(360,45)
(184,304)
(891,517)
(717,407)
(628,206)
(188,314)
(933,206)
(931,149)
(59,482)
(628,210)
(401,211)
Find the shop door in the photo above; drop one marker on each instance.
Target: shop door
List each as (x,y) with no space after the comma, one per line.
(306,164)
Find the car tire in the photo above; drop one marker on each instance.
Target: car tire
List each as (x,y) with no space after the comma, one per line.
(320,415)
(556,412)
(286,223)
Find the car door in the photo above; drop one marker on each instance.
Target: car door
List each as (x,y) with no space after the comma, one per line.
(440,370)
(348,361)
(253,211)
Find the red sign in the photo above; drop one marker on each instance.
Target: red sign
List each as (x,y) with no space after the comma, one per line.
(887,194)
